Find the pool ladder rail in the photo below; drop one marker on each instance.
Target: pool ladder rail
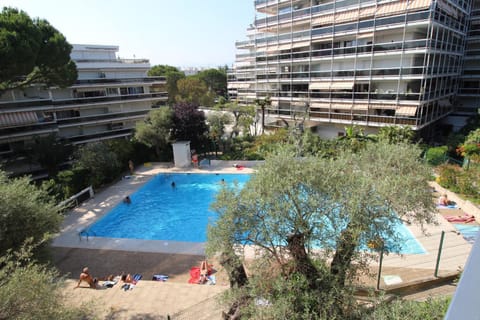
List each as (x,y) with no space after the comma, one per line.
(85,233)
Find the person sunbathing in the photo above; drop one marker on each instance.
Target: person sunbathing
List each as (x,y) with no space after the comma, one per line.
(85,276)
(443,200)
(203,272)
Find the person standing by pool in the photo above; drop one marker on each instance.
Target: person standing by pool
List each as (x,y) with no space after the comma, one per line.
(195,159)
(131,166)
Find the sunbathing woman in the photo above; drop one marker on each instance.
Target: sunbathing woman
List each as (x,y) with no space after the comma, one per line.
(203,272)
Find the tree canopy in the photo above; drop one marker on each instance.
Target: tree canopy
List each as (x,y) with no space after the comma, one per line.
(156,130)
(172,75)
(292,206)
(26,212)
(189,124)
(215,79)
(99,162)
(32,51)
(195,91)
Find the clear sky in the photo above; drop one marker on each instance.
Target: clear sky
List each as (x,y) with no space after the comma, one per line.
(182,33)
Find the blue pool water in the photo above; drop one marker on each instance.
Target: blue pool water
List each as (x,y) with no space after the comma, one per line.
(468,232)
(159,211)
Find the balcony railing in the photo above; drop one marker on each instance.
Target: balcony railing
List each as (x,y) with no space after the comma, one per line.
(93,100)
(120,81)
(117,116)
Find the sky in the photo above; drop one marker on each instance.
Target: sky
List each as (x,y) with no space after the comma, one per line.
(181,33)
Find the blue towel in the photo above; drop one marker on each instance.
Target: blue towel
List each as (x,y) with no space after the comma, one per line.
(160,277)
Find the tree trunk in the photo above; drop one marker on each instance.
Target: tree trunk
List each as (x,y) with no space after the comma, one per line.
(235,270)
(303,264)
(343,256)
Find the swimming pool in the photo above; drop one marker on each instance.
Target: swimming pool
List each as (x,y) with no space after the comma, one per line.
(159,211)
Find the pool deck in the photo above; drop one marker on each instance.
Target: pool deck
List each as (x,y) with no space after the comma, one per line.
(73,250)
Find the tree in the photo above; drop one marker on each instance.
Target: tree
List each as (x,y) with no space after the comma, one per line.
(29,290)
(263,103)
(172,74)
(395,134)
(215,79)
(50,151)
(27,212)
(189,124)
(156,130)
(32,51)
(354,138)
(100,163)
(292,205)
(194,90)
(243,117)
(216,123)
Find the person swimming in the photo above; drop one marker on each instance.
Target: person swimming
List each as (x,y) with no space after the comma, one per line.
(173,184)
(127,200)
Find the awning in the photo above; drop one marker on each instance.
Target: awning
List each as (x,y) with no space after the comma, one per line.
(360,106)
(344,16)
(341,85)
(324,20)
(301,44)
(320,105)
(367,12)
(406,111)
(392,8)
(233,85)
(419,4)
(365,35)
(319,86)
(17,118)
(342,106)
(383,106)
(335,85)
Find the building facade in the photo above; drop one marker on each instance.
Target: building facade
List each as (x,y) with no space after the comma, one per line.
(109,97)
(355,62)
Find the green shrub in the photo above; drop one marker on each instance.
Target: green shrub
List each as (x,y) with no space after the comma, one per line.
(431,309)
(436,155)
(447,176)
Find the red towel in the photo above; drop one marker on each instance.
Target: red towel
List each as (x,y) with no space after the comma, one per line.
(465,219)
(195,274)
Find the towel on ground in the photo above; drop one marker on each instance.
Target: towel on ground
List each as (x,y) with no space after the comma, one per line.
(467,218)
(195,274)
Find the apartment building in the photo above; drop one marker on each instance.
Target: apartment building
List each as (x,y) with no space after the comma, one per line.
(330,64)
(108,98)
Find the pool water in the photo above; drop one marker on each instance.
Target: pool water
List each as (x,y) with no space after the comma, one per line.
(160,211)
(468,232)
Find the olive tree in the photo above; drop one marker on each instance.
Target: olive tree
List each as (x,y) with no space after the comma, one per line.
(292,207)
(26,212)
(29,290)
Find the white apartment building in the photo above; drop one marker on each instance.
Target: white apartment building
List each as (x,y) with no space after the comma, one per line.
(370,63)
(109,97)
